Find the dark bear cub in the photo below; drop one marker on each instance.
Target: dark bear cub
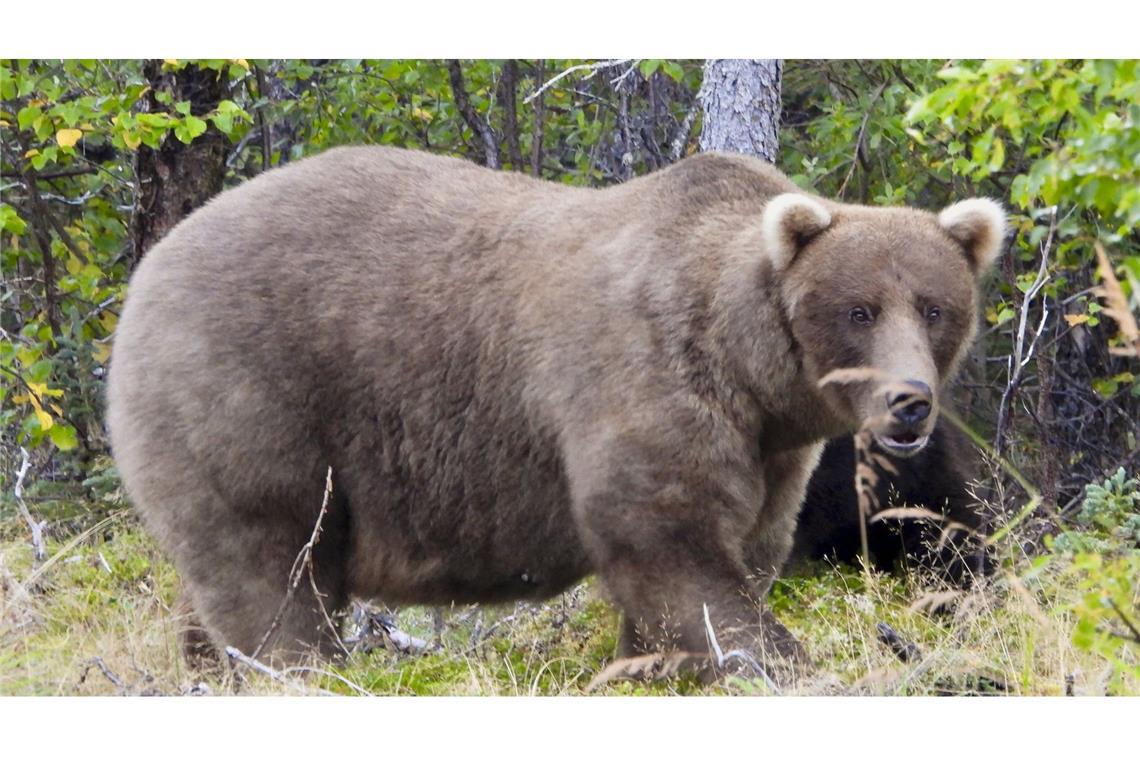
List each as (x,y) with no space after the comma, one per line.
(936,479)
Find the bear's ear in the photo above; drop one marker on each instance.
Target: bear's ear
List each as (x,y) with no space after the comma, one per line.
(788,222)
(979,225)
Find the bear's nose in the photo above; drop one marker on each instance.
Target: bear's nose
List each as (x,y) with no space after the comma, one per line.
(910,404)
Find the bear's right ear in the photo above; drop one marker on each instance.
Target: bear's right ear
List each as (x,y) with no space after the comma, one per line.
(979,225)
(789,221)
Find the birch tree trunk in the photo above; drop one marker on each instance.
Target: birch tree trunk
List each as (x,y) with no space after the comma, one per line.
(741,103)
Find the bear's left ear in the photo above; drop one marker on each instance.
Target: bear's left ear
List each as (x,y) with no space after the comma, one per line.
(789,221)
(979,225)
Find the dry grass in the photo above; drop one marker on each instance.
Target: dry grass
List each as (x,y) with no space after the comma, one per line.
(96,618)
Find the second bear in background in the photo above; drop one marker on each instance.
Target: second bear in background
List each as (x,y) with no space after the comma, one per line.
(936,479)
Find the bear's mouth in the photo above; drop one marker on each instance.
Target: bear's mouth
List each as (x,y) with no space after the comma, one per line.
(902,444)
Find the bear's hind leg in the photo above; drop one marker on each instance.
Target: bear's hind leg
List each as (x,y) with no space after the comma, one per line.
(251,587)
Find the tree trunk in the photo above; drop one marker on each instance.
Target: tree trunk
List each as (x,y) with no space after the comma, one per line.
(177,178)
(741,102)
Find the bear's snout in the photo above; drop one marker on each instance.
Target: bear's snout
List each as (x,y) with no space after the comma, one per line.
(911,403)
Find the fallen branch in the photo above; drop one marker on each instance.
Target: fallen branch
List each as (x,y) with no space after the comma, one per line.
(283,676)
(37,528)
(375,630)
(97,662)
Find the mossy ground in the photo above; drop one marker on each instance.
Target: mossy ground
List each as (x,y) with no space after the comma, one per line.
(97,618)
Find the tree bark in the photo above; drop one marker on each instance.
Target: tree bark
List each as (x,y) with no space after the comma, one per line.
(481,129)
(177,178)
(508,90)
(741,102)
(539,115)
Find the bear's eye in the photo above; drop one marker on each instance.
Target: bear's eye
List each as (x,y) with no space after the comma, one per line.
(933,314)
(861,315)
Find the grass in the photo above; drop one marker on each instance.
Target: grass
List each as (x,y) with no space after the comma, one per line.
(96,618)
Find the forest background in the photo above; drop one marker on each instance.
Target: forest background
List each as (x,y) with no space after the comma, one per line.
(102,157)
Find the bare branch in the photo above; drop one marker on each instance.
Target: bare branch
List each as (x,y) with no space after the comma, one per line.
(37,528)
(859,137)
(478,126)
(593,68)
(301,565)
(1022,354)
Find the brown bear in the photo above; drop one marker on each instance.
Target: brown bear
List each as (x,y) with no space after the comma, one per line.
(936,479)
(517,383)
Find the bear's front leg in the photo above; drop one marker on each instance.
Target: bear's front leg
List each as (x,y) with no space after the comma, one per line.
(786,477)
(665,527)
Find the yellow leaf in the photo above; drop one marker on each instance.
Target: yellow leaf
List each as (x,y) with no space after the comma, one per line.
(32,152)
(1076,319)
(132,141)
(101,352)
(55,408)
(109,320)
(73,265)
(23,398)
(68,137)
(46,422)
(241,62)
(39,390)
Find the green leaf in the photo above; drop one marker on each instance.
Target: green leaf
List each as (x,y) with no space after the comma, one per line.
(648,66)
(63,436)
(10,221)
(28,115)
(673,70)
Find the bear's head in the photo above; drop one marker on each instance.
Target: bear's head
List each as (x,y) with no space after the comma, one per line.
(882,302)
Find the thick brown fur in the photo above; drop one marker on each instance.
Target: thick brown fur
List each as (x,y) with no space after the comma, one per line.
(515,383)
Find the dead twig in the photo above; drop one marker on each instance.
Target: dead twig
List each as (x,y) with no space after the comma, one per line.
(593,68)
(283,676)
(1022,354)
(378,630)
(36,527)
(735,654)
(859,137)
(301,565)
(97,662)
